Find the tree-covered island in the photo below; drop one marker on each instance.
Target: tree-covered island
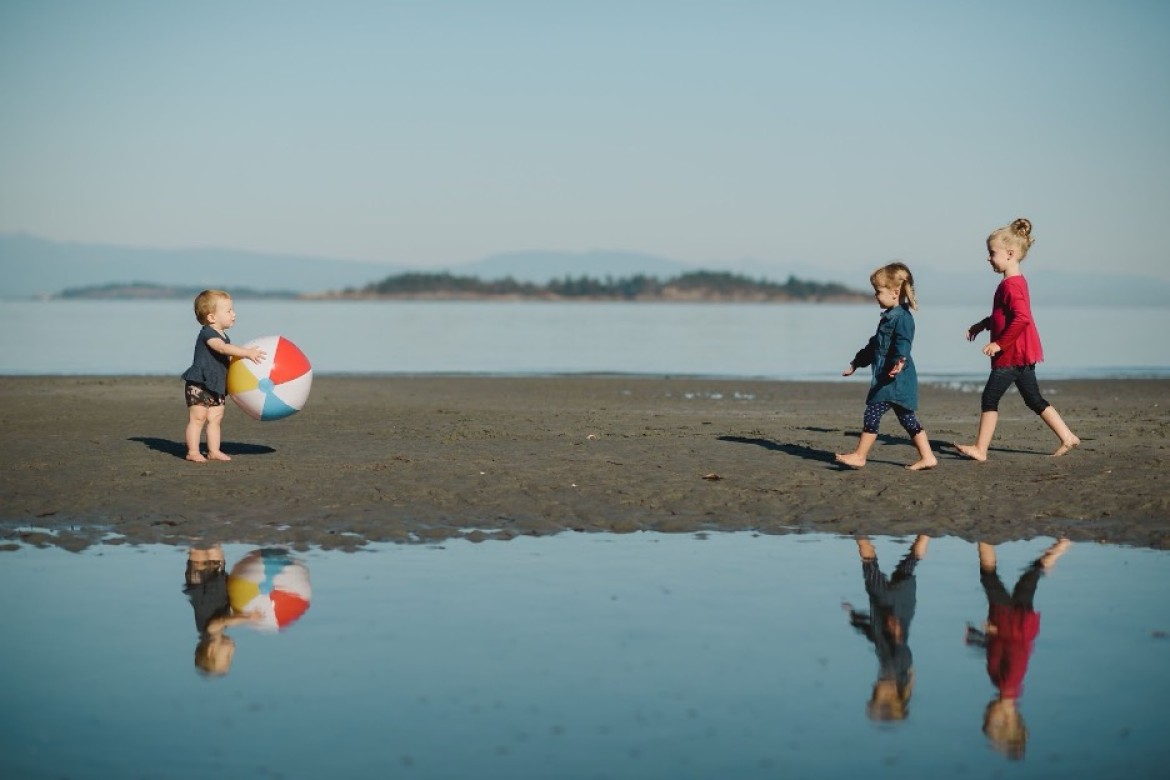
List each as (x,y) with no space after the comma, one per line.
(709,286)
(714,286)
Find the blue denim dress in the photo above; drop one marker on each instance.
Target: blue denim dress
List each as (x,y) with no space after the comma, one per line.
(895,335)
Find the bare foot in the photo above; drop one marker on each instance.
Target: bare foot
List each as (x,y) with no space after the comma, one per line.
(1053,553)
(923,465)
(1066,447)
(971,451)
(851,459)
(196,457)
(217,456)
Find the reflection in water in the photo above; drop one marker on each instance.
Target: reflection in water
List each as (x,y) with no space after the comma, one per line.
(1008,635)
(267,588)
(639,655)
(272,585)
(892,601)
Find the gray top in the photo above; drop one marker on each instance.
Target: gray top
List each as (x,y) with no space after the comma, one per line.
(209,368)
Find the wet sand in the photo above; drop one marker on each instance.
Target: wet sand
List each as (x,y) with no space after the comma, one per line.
(422,459)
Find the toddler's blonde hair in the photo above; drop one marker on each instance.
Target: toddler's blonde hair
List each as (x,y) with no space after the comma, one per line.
(1017,236)
(896,276)
(208,660)
(205,303)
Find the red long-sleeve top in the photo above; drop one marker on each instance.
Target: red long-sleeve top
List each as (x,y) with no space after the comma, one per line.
(1009,647)
(1012,326)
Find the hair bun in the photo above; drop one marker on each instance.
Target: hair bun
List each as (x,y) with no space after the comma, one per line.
(1022,228)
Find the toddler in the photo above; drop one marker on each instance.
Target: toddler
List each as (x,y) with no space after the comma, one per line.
(206,379)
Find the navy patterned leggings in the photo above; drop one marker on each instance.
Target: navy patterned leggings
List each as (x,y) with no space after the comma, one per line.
(873,418)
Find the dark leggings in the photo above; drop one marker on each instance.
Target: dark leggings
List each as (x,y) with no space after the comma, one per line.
(1021,596)
(1023,377)
(873,417)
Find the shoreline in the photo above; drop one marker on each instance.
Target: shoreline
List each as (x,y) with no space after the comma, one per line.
(422,458)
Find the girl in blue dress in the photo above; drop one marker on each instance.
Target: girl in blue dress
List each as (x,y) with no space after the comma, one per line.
(895,382)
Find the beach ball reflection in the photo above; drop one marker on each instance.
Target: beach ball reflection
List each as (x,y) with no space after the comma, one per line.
(273,583)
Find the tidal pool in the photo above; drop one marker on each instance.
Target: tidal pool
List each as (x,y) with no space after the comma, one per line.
(592,656)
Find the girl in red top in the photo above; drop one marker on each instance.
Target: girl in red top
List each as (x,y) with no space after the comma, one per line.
(1008,636)
(1015,343)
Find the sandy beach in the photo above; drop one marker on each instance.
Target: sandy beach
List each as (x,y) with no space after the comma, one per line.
(422,459)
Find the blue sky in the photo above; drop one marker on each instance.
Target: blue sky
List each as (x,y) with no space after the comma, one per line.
(831,136)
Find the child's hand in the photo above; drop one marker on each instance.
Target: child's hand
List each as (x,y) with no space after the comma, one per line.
(255,354)
(974,331)
(849,371)
(897,368)
(992,349)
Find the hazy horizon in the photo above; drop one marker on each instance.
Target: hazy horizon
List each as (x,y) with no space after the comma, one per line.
(38,268)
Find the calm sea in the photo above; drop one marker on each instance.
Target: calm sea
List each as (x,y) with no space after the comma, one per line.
(774,341)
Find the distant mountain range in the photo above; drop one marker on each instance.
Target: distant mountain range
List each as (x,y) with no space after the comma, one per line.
(37,267)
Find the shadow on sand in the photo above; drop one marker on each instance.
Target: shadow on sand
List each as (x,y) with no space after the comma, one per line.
(179,449)
(799,450)
(823,456)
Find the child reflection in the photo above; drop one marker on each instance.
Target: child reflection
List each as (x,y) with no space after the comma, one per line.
(1008,636)
(887,624)
(206,588)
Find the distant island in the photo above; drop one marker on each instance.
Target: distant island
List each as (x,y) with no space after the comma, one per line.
(714,286)
(695,285)
(122,291)
(699,286)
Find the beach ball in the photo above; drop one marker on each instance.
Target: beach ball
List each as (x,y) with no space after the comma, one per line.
(275,387)
(272,582)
